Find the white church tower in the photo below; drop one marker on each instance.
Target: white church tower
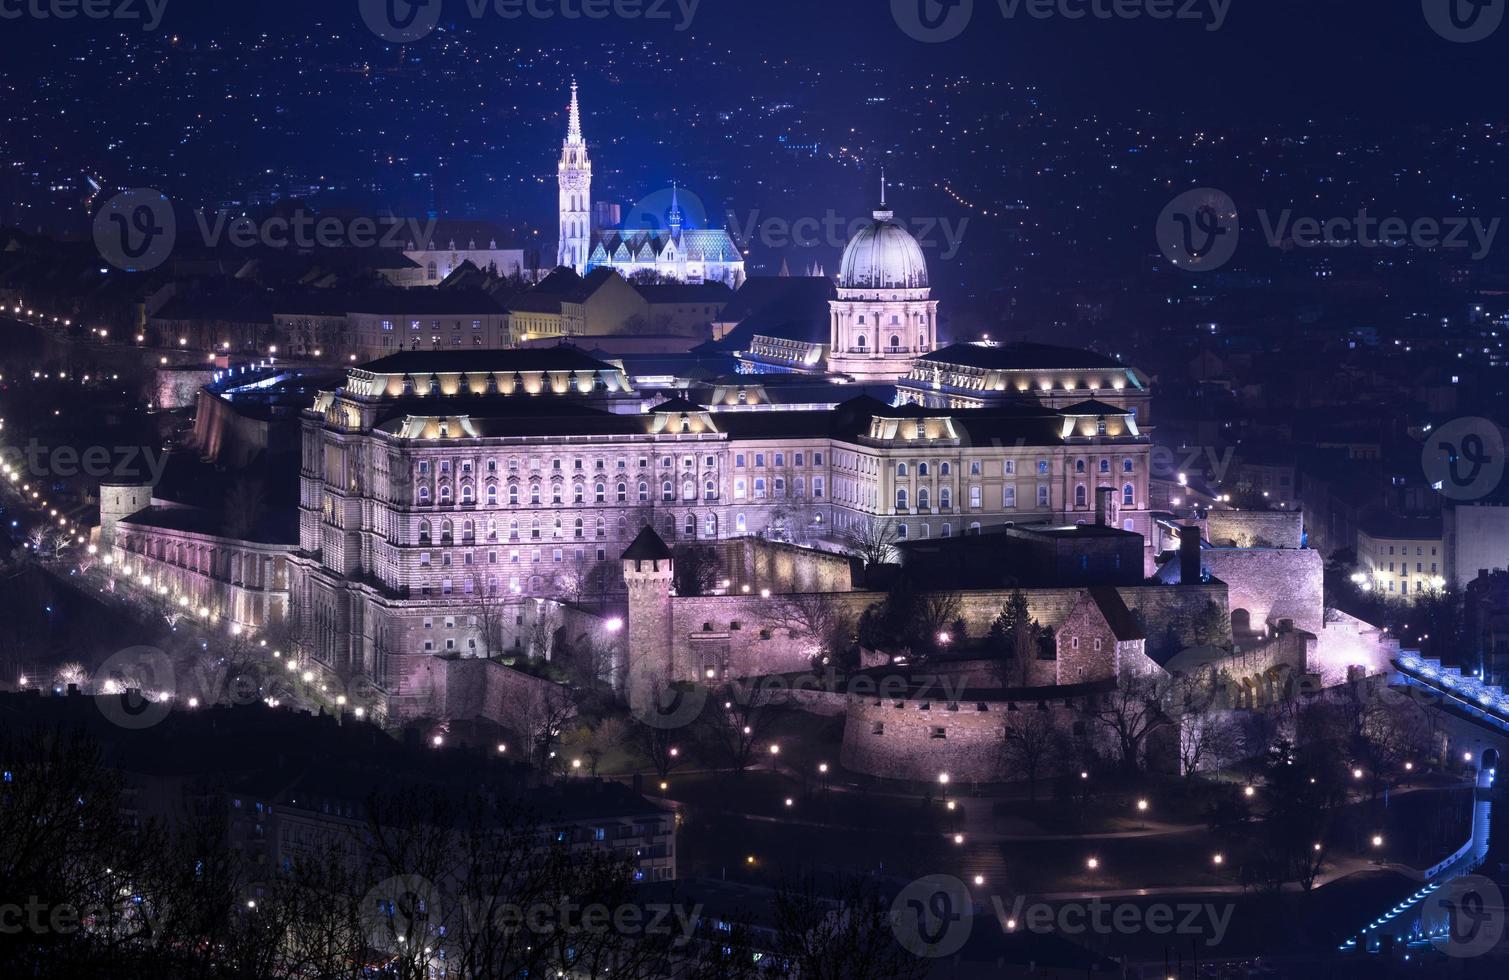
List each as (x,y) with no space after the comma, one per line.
(575,177)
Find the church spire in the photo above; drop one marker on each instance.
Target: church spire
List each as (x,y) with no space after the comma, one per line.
(574,125)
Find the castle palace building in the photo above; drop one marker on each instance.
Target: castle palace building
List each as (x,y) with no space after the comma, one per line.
(442,489)
(670,251)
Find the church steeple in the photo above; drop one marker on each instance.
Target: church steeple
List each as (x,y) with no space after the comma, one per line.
(673,217)
(574,175)
(574,123)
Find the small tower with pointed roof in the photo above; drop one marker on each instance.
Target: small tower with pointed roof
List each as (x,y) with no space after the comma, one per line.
(648,572)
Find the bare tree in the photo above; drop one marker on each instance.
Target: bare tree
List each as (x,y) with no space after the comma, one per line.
(818,618)
(542,718)
(847,934)
(542,631)
(1130,713)
(872,540)
(697,569)
(736,721)
(490,609)
(1030,741)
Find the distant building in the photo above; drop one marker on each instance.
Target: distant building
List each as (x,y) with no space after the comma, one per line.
(1402,556)
(673,252)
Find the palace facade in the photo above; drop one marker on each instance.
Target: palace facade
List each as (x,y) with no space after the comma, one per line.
(438,486)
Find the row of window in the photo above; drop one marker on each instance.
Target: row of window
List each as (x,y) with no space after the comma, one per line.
(797,459)
(600,493)
(1008,497)
(444,466)
(387,325)
(1009,467)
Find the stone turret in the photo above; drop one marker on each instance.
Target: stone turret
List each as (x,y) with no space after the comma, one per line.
(648,572)
(118,501)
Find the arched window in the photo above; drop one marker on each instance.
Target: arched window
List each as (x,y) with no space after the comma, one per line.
(534,493)
(1128,496)
(1126,466)
(445,531)
(644,492)
(424,531)
(667,491)
(602,493)
(712,525)
(946,497)
(922,469)
(1008,497)
(577,528)
(623,492)
(922,498)
(1105,466)
(578,493)
(424,495)
(901,469)
(468,531)
(690,527)
(688,490)
(466,495)
(710,490)
(1079,466)
(895,342)
(513,496)
(901,498)
(1081,495)
(739,523)
(944,469)
(445,495)
(492,496)
(863,341)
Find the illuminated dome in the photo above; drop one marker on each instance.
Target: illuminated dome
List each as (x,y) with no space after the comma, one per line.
(883,255)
